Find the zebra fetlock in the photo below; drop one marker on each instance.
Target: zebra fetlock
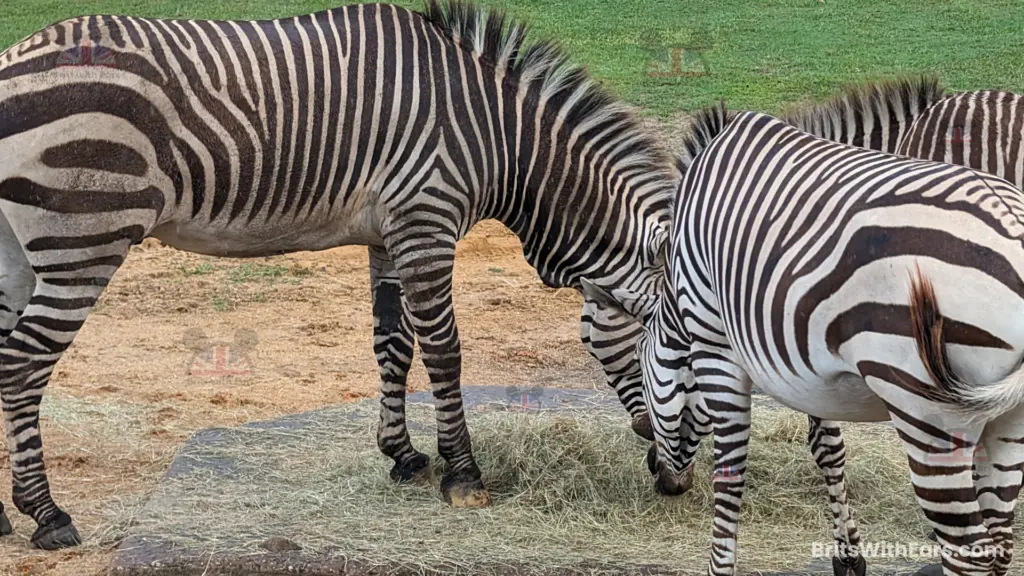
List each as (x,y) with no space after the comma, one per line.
(849,566)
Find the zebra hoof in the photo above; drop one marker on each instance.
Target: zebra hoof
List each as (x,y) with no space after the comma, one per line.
(851,567)
(642,426)
(410,469)
(57,534)
(5,525)
(462,494)
(930,570)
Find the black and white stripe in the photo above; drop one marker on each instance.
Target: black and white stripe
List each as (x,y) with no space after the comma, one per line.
(816,270)
(369,125)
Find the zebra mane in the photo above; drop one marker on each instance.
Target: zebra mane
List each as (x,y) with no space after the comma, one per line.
(706,125)
(499,40)
(910,95)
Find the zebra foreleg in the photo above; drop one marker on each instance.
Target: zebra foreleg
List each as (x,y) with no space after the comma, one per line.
(393,343)
(998,464)
(5,523)
(425,262)
(826,443)
(726,387)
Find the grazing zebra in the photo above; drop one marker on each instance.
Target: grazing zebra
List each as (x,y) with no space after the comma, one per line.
(912,116)
(818,271)
(366,124)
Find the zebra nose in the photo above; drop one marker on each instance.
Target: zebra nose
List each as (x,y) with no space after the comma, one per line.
(666,482)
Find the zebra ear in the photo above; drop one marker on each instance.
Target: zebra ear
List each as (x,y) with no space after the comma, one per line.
(637,305)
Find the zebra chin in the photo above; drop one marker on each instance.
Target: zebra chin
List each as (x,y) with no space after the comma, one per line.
(667,482)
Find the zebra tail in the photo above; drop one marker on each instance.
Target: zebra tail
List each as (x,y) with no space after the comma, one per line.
(981,403)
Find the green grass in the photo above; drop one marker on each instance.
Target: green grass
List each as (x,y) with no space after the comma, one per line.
(760,55)
(198,270)
(256,272)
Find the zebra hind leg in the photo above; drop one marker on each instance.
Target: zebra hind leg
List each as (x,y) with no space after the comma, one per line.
(17,282)
(999,464)
(71,273)
(941,458)
(826,443)
(393,343)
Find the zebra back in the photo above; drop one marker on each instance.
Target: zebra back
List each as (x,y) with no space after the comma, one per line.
(875,115)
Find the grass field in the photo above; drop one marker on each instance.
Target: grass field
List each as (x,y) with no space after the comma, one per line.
(759,55)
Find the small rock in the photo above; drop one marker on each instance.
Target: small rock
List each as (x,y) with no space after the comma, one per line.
(278,544)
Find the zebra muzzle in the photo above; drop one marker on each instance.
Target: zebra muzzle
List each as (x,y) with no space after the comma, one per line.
(667,482)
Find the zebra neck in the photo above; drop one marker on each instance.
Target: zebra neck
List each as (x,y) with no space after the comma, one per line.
(612,238)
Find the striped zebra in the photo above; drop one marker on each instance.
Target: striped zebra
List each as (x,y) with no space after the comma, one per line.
(368,125)
(850,285)
(912,116)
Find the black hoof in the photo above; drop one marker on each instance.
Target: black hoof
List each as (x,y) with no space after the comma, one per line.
(56,534)
(642,426)
(410,469)
(930,570)
(5,525)
(851,567)
(461,492)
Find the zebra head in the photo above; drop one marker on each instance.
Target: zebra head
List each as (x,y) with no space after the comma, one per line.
(678,420)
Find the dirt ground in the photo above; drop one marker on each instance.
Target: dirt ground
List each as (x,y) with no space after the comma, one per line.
(122,399)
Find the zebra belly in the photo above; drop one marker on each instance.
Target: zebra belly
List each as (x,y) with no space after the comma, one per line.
(843,396)
(280,235)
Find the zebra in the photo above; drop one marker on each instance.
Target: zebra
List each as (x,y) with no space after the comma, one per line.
(816,270)
(367,124)
(914,116)
(910,115)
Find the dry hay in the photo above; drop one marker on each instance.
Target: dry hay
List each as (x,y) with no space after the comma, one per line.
(570,490)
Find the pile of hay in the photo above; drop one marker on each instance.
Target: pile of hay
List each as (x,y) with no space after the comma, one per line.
(570,489)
